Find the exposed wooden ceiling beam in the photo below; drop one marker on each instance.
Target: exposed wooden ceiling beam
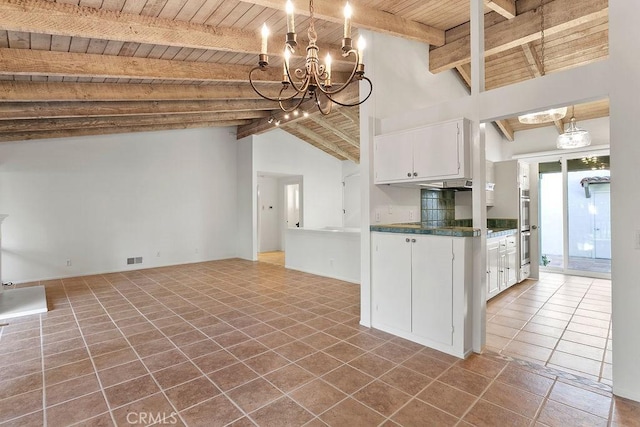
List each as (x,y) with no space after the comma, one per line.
(44,17)
(560,15)
(506,8)
(49,63)
(506,129)
(532,59)
(367,18)
(26,91)
(320,120)
(319,140)
(37,110)
(33,125)
(465,72)
(559,126)
(351,114)
(24,136)
(350,94)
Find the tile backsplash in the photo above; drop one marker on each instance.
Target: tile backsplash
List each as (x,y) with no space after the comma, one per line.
(437,208)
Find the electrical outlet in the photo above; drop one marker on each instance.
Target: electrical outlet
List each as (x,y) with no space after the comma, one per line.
(68,263)
(377,216)
(330,262)
(390,209)
(158,254)
(196,250)
(411,215)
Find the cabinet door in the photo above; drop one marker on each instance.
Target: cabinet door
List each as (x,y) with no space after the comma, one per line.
(391,280)
(393,157)
(432,288)
(511,275)
(436,151)
(493,264)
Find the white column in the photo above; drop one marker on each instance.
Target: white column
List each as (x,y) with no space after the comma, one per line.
(2,217)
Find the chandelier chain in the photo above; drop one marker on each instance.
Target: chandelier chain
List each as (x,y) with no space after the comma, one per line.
(311,32)
(542,37)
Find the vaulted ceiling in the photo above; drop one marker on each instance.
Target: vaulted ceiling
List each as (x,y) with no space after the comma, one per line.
(86,67)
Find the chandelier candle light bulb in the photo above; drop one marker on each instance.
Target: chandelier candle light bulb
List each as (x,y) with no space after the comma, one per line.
(347,21)
(327,65)
(265,37)
(285,66)
(291,28)
(361,45)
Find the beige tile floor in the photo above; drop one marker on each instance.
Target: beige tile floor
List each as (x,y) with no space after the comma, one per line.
(274,257)
(241,343)
(562,322)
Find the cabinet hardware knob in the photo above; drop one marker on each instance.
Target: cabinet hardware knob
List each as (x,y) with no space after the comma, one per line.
(409,174)
(415,174)
(407,240)
(413,240)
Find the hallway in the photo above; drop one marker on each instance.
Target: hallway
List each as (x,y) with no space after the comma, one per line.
(561,322)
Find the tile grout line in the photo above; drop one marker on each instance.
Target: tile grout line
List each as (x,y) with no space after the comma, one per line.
(95,370)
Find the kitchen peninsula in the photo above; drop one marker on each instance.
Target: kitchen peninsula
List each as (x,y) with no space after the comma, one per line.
(421,284)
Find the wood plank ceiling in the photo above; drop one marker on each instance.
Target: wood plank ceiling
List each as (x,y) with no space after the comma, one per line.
(85,67)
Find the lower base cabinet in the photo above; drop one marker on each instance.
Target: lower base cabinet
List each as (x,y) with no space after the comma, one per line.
(421,289)
(502,264)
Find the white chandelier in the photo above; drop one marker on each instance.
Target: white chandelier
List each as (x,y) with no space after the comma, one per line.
(314,79)
(573,137)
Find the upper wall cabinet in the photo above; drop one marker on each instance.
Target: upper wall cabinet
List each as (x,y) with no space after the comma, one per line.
(431,153)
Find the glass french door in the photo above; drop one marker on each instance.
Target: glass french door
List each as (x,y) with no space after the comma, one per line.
(575,216)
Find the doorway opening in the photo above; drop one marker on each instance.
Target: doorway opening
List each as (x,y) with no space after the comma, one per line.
(279,207)
(562,320)
(575,216)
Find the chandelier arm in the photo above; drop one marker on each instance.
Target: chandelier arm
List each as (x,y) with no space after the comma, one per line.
(319,105)
(295,107)
(328,95)
(305,84)
(258,91)
(349,80)
(284,87)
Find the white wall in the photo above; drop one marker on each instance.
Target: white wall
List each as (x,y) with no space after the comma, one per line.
(279,152)
(247,210)
(269,215)
(98,200)
(624,69)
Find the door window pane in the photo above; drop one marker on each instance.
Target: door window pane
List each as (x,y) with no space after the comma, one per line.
(551,224)
(589,219)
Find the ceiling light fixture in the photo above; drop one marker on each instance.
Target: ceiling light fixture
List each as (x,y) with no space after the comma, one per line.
(314,78)
(573,137)
(552,114)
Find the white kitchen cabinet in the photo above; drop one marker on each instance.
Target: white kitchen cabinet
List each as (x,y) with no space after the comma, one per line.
(391,258)
(432,288)
(421,289)
(394,157)
(431,153)
(502,264)
(493,267)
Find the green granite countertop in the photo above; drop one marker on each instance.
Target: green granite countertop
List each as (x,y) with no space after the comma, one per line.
(418,228)
(499,232)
